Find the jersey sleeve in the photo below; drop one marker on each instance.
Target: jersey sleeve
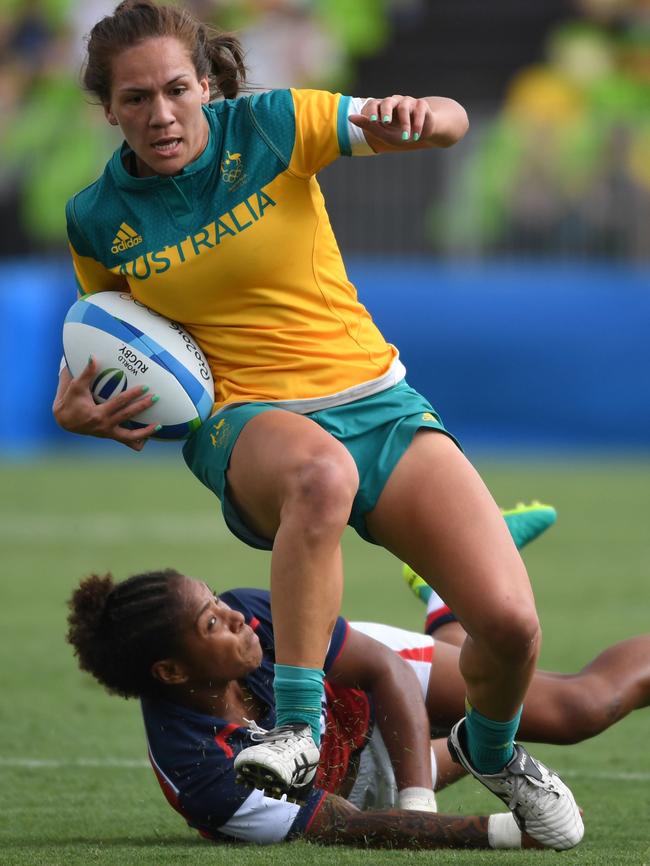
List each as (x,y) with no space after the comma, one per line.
(324,130)
(91,275)
(309,129)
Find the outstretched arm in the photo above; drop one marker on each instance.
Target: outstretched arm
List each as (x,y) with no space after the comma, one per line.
(400,710)
(398,123)
(339,823)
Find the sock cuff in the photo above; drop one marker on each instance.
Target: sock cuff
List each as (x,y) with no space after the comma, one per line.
(298,694)
(493,723)
(490,743)
(294,675)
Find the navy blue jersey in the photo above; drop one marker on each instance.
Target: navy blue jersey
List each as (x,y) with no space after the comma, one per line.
(192,753)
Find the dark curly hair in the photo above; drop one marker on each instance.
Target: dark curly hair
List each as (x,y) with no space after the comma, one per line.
(118,630)
(215,55)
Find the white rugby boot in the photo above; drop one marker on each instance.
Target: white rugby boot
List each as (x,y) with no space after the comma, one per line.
(281,761)
(540,802)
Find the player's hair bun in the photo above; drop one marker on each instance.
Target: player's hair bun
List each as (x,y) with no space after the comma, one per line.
(118,630)
(87,621)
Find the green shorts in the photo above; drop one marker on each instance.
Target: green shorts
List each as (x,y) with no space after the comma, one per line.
(376,430)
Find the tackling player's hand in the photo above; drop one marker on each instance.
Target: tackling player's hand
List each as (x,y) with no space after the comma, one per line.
(75,410)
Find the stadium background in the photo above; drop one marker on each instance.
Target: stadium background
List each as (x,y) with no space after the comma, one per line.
(513,272)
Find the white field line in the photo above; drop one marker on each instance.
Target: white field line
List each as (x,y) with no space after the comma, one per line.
(112,528)
(74,763)
(135,764)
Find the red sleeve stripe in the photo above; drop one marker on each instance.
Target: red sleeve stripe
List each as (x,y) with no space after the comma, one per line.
(315,812)
(417,654)
(254,623)
(222,736)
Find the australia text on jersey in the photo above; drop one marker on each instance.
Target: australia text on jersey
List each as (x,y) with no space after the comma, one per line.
(229,224)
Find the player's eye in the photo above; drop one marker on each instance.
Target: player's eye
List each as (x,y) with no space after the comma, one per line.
(211,623)
(178,91)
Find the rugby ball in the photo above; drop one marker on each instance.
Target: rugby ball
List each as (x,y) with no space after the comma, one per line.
(133,345)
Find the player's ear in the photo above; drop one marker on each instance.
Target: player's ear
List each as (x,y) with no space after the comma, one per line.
(205,90)
(169,672)
(110,117)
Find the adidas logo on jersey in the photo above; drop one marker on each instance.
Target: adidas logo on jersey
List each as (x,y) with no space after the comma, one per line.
(125,238)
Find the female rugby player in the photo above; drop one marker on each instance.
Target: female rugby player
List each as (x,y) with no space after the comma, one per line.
(202,666)
(314,425)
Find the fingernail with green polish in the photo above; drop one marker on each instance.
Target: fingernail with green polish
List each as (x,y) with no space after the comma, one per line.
(416,136)
(157,428)
(145,388)
(405,136)
(373,117)
(155,398)
(386,118)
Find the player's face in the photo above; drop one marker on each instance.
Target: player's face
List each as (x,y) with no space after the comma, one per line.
(217,645)
(156,100)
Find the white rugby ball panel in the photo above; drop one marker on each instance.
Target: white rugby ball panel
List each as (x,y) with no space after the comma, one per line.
(109,326)
(80,341)
(154,327)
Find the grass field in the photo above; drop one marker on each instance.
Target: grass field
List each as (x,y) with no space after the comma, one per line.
(75,784)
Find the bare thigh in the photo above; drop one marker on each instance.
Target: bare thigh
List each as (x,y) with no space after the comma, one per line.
(436,514)
(279,453)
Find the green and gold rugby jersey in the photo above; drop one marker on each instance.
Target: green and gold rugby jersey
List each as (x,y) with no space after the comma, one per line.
(239,249)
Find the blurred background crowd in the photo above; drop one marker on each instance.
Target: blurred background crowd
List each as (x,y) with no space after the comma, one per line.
(557,163)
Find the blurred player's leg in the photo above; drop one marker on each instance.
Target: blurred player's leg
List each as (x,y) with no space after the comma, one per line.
(525,523)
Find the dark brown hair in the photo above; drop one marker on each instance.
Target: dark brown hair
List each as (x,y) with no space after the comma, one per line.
(118,630)
(215,55)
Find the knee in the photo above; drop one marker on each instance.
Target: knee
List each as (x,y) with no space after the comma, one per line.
(513,633)
(320,491)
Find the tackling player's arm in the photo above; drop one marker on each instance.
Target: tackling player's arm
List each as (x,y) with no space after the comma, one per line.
(338,822)
(400,709)
(397,123)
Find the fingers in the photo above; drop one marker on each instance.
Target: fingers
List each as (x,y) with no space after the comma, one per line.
(130,403)
(136,446)
(75,410)
(402,116)
(86,376)
(81,384)
(421,119)
(136,439)
(107,419)
(396,119)
(116,412)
